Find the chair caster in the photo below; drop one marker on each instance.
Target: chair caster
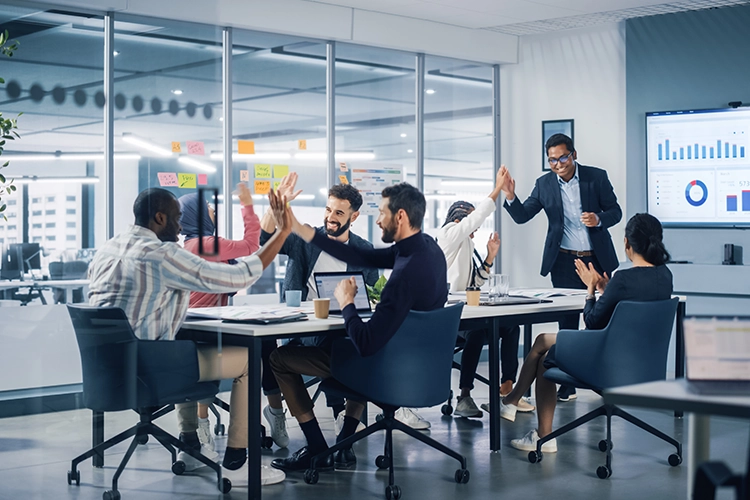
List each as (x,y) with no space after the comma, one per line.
(446,409)
(76,476)
(111,495)
(142,439)
(392,492)
(178,468)
(603,472)
(226,485)
(379,417)
(266,442)
(675,459)
(382,462)
(535,457)
(311,476)
(219,429)
(462,476)
(603,445)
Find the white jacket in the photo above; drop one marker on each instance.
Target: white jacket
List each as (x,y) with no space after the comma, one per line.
(458,247)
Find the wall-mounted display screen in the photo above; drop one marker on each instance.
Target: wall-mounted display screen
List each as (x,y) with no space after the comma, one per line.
(699,167)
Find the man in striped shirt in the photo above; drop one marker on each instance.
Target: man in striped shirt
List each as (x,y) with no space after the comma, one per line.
(148,275)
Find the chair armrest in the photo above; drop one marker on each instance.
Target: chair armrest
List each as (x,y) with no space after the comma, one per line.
(579,353)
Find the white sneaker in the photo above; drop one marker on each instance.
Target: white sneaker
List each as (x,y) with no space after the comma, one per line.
(466,407)
(524,406)
(338,424)
(192,464)
(205,436)
(277,423)
(528,443)
(268,476)
(508,412)
(410,417)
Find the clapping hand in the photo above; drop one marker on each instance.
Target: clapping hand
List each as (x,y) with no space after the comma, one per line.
(588,275)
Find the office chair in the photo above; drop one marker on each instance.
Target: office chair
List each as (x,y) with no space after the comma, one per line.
(382,379)
(712,475)
(631,349)
(123,372)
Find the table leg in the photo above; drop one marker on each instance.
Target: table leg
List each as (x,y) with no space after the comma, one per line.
(253,421)
(679,351)
(97,436)
(526,349)
(494,385)
(698,449)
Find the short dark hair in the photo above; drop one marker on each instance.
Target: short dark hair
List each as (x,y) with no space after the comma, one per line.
(149,202)
(644,234)
(347,192)
(409,198)
(559,139)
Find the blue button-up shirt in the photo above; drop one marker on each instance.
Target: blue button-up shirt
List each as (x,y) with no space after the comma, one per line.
(575,234)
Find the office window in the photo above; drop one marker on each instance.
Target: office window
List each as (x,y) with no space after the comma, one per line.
(12,240)
(70,237)
(36,200)
(11,215)
(70,224)
(36,213)
(50,212)
(49,225)
(36,226)
(50,199)
(36,239)
(70,198)
(51,237)
(11,203)
(12,228)
(70,211)
(2,240)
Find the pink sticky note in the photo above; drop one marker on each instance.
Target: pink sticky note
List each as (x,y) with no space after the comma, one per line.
(202,179)
(195,148)
(167,179)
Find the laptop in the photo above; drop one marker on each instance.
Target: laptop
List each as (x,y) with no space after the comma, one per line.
(325,284)
(717,352)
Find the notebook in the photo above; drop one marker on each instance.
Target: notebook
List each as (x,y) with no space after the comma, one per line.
(325,284)
(717,352)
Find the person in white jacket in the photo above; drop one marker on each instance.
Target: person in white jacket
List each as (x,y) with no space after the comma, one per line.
(466,268)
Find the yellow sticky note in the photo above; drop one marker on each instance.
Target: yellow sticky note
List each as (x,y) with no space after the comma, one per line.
(262,187)
(343,179)
(280,171)
(276,185)
(246,147)
(302,144)
(187,180)
(176,148)
(244,175)
(262,171)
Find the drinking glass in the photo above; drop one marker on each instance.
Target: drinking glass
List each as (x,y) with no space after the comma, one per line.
(498,285)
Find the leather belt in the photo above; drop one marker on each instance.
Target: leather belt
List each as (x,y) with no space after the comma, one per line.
(578,253)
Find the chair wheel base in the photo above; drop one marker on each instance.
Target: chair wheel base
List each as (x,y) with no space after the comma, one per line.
(675,459)
(379,417)
(74,477)
(603,445)
(219,429)
(382,462)
(392,492)
(603,472)
(178,468)
(111,495)
(226,485)
(311,476)
(266,442)
(462,476)
(142,439)
(446,410)
(535,457)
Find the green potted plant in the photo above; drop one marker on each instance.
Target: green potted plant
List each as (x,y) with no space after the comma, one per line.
(8,126)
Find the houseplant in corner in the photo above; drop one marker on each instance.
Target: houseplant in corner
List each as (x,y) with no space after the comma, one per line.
(8,126)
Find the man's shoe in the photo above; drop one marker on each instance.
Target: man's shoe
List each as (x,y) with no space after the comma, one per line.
(466,407)
(345,459)
(277,424)
(191,464)
(411,418)
(234,458)
(205,436)
(528,443)
(338,424)
(524,406)
(508,412)
(566,393)
(301,461)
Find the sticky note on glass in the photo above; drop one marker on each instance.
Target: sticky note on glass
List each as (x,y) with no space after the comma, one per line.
(343,179)
(244,175)
(202,179)
(276,185)
(167,179)
(280,171)
(187,181)
(176,148)
(195,148)
(246,147)
(343,167)
(302,144)
(262,187)
(262,171)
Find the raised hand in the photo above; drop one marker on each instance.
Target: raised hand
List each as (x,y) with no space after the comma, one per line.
(493,246)
(287,185)
(281,213)
(509,186)
(243,192)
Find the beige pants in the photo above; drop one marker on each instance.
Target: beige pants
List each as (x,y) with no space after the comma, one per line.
(231,363)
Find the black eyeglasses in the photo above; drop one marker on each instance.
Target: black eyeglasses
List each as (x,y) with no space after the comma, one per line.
(562,159)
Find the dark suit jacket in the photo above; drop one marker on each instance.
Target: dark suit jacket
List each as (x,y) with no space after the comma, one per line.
(597,196)
(302,259)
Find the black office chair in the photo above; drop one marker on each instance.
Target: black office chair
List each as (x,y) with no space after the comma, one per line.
(631,349)
(394,377)
(123,372)
(712,475)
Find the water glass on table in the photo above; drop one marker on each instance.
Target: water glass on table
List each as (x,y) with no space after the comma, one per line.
(499,284)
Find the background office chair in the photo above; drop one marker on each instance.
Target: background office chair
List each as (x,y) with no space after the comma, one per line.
(381,379)
(123,372)
(632,349)
(712,475)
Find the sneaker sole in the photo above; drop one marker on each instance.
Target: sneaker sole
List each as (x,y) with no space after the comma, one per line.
(526,448)
(478,414)
(569,398)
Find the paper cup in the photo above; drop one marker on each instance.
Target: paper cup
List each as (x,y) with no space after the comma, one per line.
(321,307)
(472,297)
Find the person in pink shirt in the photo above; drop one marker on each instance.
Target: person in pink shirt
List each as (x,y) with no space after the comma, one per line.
(228,251)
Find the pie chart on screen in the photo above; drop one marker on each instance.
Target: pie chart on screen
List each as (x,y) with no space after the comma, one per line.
(696,193)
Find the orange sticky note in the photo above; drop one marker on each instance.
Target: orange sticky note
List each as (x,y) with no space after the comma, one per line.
(343,179)
(246,147)
(262,187)
(176,148)
(244,175)
(302,144)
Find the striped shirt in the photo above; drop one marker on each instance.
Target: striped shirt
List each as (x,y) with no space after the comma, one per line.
(151,280)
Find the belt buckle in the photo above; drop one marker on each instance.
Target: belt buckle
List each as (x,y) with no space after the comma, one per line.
(580,253)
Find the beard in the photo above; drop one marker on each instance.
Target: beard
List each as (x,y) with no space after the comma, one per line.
(339,228)
(389,233)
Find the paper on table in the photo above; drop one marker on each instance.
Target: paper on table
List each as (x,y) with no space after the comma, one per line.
(543,293)
(244,312)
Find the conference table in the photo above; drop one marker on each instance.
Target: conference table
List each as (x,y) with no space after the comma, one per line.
(251,336)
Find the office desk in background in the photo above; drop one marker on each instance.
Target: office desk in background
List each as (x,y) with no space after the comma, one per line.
(41,285)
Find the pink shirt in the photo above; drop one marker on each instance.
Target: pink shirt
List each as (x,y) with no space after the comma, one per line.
(228,249)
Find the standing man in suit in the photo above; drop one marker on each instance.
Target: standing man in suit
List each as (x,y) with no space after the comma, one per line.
(581,205)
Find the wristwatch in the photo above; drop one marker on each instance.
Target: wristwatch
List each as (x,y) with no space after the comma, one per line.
(590,296)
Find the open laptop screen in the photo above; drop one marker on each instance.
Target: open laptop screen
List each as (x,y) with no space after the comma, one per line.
(326,284)
(717,349)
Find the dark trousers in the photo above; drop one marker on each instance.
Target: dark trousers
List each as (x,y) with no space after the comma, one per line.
(268,381)
(475,340)
(564,276)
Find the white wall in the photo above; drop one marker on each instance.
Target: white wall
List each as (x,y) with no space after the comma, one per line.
(578,74)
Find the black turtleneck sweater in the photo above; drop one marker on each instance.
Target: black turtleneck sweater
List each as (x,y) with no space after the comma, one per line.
(416,283)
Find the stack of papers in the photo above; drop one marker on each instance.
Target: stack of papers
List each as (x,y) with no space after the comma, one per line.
(249,314)
(545,293)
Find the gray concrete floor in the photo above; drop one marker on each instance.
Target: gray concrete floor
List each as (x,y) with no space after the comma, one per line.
(35,453)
